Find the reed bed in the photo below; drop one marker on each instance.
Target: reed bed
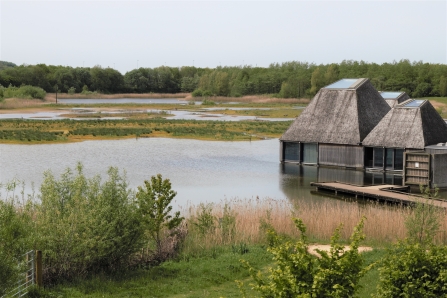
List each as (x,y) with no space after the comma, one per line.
(52,96)
(253,99)
(16,103)
(384,224)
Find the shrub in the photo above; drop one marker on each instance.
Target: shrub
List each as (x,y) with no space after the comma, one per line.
(85,226)
(204,220)
(154,205)
(25,91)
(411,270)
(197,93)
(299,274)
(14,241)
(71,90)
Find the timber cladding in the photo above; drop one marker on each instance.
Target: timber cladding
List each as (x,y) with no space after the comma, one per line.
(341,155)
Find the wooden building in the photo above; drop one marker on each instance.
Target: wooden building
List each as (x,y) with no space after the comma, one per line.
(331,129)
(350,124)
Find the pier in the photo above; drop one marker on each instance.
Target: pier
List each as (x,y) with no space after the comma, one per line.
(388,193)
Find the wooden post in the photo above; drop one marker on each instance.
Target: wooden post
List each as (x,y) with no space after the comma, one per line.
(39,268)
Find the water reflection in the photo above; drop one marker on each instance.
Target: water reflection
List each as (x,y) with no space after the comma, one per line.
(200,171)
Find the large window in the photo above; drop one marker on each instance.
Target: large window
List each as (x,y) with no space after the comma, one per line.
(378,157)
(310,153)
(291,151)
(394,159)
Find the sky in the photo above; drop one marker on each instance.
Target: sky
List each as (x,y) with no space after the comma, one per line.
(128,34)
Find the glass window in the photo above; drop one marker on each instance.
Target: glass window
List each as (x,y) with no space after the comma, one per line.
(399,159)
(378,157)
(291,151)
(342,84)
(389,158)
(390,95)
(310,153)
(415,103)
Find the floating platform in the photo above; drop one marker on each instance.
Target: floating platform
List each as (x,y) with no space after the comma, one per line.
(389,193)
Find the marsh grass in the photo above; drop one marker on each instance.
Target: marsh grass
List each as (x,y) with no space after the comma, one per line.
(255,99)
(52,96)
(384,224)
(16,103)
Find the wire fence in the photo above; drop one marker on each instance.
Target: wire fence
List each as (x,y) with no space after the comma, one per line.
(28,276)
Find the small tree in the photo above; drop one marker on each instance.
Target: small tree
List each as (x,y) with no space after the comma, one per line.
(299,274)
(424,222)
(154,205)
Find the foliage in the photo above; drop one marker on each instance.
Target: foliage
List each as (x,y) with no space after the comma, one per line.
(84,225)
(14,234)
(424,222)
(208,102)
(411,270)
(24,91)
(227,224)
(154,205)
(204,220)
(299,274)
(288,79)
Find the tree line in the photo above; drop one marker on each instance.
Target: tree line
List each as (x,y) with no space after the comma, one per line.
(288,80)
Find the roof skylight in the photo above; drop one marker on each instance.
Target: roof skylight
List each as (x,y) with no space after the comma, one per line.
(414,103)
(342,84)
(390,95)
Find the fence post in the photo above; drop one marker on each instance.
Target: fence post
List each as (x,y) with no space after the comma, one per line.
(39,268)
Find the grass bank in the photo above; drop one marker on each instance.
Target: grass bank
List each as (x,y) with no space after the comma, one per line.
(38,131)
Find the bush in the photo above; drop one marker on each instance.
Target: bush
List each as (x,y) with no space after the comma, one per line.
(412,270)
(197,93)
(25,91)
(14,241)
(71,90)
(299,274)
(85,226)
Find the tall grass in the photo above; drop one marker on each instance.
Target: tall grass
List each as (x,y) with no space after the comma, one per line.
(52,97)
(255,99)
(384,224)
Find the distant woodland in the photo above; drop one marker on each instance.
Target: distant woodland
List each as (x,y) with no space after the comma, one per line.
(287,80)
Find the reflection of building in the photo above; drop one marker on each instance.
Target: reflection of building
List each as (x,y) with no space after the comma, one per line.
(350,124)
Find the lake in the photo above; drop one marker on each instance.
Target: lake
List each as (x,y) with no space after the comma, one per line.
(200,171)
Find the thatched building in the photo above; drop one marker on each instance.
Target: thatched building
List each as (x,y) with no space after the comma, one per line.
(332,127)
(350,124)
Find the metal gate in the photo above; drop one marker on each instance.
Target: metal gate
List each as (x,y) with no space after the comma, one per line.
(27,277)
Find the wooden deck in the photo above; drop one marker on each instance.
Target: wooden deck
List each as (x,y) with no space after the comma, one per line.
(388,193)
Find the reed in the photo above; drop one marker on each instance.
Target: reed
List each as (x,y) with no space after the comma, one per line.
(17,103)
(384,224)
(254,99)
(52,96)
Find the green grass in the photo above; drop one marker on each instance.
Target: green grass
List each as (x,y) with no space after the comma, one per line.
(212,274)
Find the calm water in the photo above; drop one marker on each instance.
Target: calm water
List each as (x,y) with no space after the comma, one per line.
(199,170)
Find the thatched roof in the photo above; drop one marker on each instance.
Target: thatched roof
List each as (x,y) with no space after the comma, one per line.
(394,98)
(341,113)
(411,124)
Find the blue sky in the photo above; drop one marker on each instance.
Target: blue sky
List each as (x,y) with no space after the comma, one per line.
(127,34)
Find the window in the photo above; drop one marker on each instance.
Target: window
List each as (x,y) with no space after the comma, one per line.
(378,157)
(310,153)
(291,151)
